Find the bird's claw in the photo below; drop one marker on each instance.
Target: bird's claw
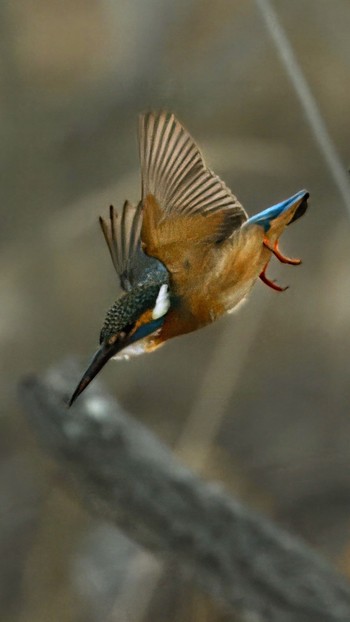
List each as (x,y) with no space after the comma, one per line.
(270,283)
(276,251)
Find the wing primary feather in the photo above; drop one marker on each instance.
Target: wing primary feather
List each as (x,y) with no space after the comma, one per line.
(143,140)
(167,127)
(209,194)
(171,157)
(182,165)
(152,124)
(179,153)
(126,229)
(206,191)
(107,235)
(122,235)
(157,144)
(185,194)
(175,175)
(113,217)
(135,231)
(183,168)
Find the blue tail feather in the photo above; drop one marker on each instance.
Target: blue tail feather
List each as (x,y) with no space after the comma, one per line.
(265,217)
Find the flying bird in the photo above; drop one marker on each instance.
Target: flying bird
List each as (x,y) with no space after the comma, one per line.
(187,253)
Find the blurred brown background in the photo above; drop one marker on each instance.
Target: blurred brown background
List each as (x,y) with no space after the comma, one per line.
(259,401)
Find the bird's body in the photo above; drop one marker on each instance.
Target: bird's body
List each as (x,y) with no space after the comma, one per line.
(187,254)
(206,286)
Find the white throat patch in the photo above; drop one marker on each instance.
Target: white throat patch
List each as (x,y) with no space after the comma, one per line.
(162,303)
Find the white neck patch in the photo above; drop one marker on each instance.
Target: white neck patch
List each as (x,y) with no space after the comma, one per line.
(162,303)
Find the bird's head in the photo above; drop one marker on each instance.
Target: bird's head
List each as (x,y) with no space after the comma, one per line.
(136,315)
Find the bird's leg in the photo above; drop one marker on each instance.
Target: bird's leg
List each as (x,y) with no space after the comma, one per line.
(271,284)
(276,251)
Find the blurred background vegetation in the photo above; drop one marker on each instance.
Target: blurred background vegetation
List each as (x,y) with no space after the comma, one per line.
(259,401)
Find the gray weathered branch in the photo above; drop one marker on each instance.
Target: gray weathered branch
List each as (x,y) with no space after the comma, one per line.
(127,476)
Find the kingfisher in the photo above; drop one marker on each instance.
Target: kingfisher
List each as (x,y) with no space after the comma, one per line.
(188,253)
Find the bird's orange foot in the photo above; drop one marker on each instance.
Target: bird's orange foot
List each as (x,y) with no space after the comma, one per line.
(276,251)
(271,284)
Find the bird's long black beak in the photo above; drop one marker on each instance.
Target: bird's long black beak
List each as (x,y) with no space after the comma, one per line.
(100,358)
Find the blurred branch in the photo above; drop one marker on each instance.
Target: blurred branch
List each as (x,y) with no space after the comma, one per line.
(128,477)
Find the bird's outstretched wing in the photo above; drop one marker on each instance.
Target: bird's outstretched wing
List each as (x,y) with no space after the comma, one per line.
(122,235)
(181,197)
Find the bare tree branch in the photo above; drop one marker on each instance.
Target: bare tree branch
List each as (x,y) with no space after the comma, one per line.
(128,477)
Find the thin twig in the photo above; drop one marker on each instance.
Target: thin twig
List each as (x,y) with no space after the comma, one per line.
(308,102)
